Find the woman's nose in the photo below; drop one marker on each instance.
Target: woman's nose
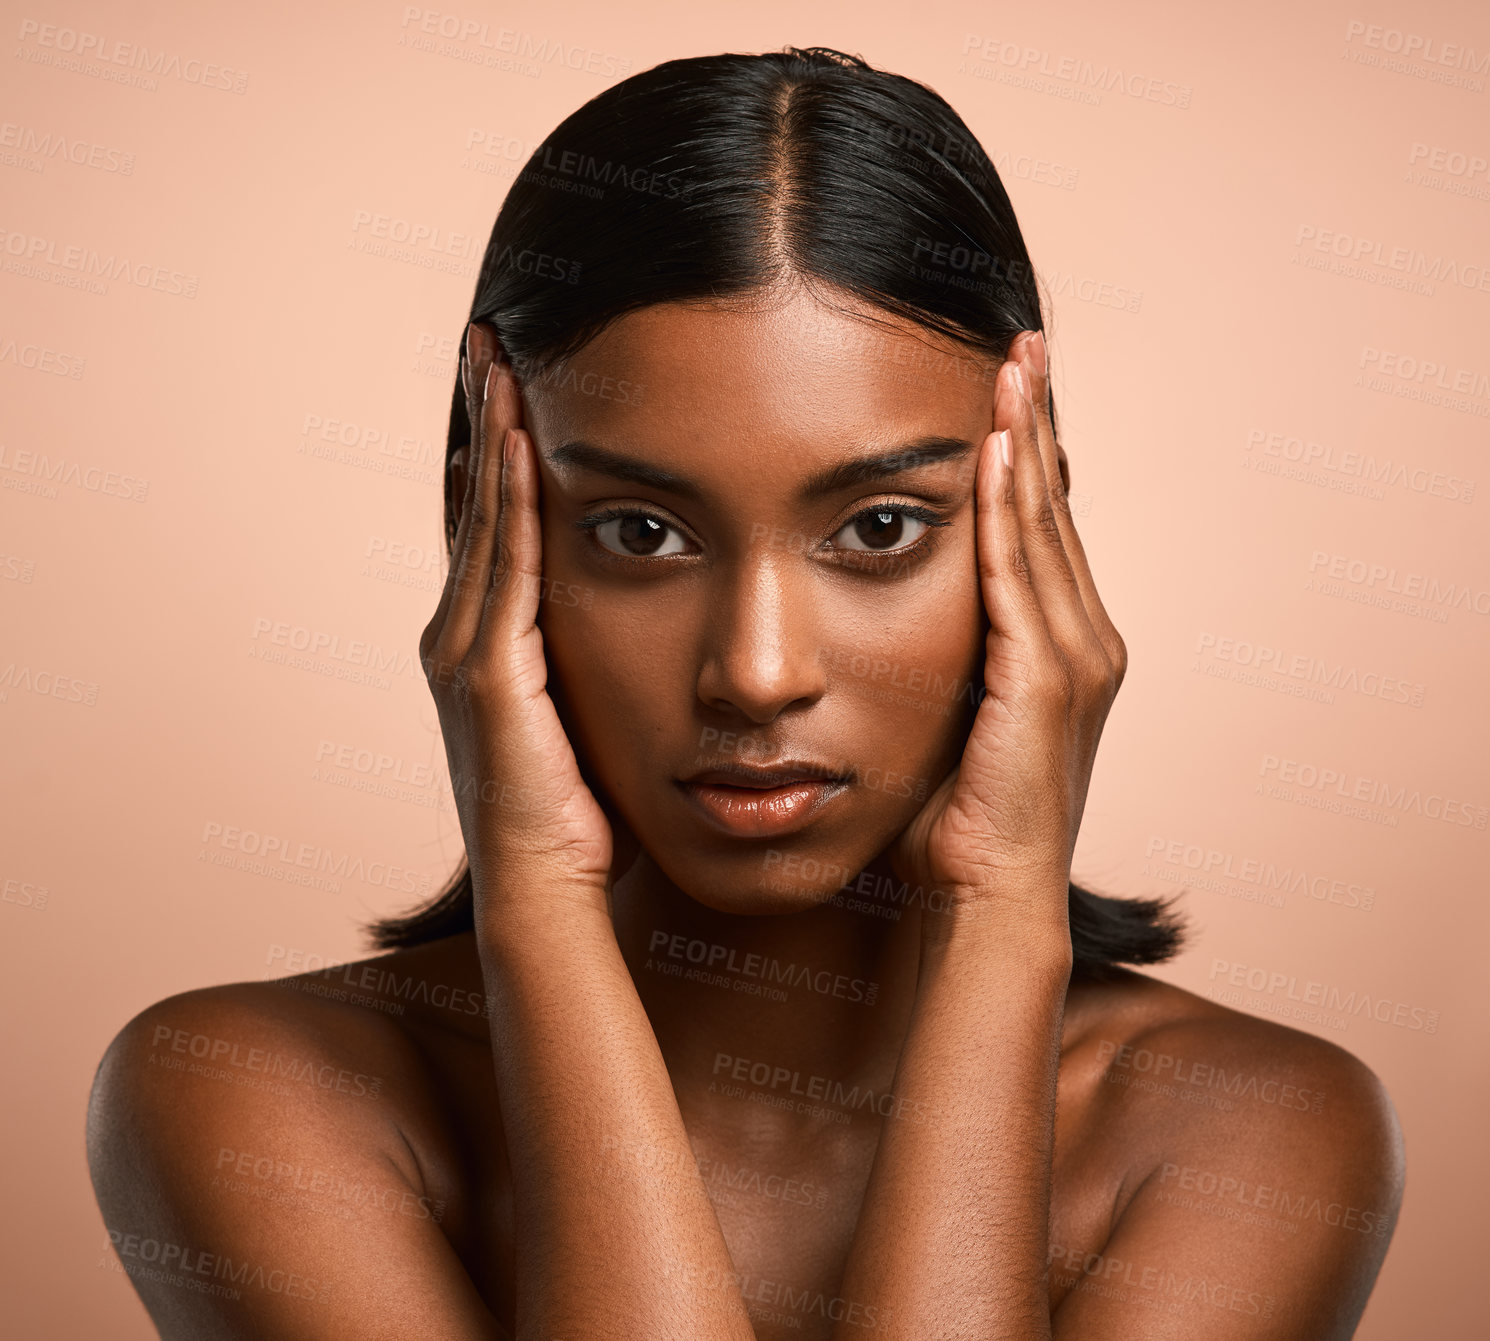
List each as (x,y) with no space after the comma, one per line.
(761,648)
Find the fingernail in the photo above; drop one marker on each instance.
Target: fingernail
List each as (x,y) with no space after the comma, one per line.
(1021,382)
(1006,448)
(491,381)
(1037,353)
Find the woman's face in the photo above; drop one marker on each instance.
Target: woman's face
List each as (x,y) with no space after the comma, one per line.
(758,553)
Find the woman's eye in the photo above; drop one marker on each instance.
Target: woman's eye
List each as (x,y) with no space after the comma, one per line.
(638,536)
(880,529)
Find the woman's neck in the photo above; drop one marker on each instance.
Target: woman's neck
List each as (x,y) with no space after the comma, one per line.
(824,993)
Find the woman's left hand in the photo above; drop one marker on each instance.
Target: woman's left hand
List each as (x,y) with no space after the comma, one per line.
(998,834)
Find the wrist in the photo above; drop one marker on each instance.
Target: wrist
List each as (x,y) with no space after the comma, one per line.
(535,908)
(1025,927)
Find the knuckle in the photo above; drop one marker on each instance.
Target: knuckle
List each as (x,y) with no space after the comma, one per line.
(465,680)
(1052,683)
(481,514)
(503,562)
(438,668)
(1017,562)
(1043,522)
(472,680)
(460,580)
(1067,692)
(1098,684)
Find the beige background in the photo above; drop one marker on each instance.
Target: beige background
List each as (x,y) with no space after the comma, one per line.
(142,704)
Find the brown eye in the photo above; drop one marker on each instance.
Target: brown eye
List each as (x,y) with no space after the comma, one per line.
(638,536)
(880,530)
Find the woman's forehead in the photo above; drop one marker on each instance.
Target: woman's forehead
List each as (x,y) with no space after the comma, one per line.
(835,332)
(797,372)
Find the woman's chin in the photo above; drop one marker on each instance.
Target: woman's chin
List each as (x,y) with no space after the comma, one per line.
(760,901)
(770,883)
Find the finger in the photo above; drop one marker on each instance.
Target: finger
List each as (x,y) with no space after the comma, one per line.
(1033,353)
(1050,570)
(1009,597)
(472,569)
(1053,457)
(464,468)
(491,407)
(511,603)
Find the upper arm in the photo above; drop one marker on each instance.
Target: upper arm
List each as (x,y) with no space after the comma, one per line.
(253,1183)
(1261,1219)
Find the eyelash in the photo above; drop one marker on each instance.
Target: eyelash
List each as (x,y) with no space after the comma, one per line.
(871,560)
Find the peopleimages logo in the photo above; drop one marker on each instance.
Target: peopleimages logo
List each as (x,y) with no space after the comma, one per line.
(1224,1189)
(765,969)
(1413,264)
(282,858)
(70,49)
(1318,673)
(420,25)
(179,1263)
(1384,582)
(314,644)
(1417,46)
(813,1089)
(1031,66)
(272,1066)
(42,146)
(1325,996)
(78,266)
(1182,1077)
(1398,797)
(1269,883)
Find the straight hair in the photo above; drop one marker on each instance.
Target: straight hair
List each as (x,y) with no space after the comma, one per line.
(713,179)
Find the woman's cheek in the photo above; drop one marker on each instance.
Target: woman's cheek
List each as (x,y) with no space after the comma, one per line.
(590,663)
(614,681)
(913,678)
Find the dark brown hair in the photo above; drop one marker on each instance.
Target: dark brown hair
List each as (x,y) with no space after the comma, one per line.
(710,178)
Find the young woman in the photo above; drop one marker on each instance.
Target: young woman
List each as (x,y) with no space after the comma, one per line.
(771,671)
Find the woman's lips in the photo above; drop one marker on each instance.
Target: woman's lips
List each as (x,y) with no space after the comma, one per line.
(762,812)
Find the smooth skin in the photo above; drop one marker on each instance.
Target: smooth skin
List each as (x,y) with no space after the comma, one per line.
(589,1119)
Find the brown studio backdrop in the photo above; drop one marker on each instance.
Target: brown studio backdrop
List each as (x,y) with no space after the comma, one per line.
(256,415)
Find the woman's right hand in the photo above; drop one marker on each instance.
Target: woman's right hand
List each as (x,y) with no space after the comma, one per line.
(525,811)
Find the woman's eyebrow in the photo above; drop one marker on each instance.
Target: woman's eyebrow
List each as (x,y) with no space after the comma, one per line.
(601,461)
(925,451)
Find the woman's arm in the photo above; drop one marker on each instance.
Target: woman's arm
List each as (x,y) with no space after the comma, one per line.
(616,1235)
(953,1236)
(1262,1218)
(953,1240)
(955,1230)
(581,1081)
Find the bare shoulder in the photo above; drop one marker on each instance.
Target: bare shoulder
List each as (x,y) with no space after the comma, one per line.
(249,1045)
(348,1041)
(1214,1068)
(1253,1154)
(243,1138)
